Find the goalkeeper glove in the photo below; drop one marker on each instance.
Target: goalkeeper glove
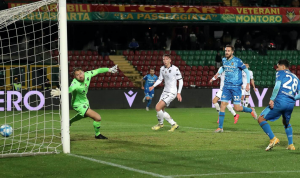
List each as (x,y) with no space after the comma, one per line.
(114,69)
(55,92)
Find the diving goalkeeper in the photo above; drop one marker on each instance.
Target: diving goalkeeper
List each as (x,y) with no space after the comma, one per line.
(80,103)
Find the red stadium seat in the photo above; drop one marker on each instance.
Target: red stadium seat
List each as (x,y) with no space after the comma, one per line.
(131,85)
(112,79)
(186,78)
(188,68)
(126,79)
(182,68)
(144,73)
(191,83)
(198,78)
(121,73)
(82,53)
(140,63)
(106,79)
(137,53)
(111,85)
(199,68)
(293,71)
(161,85)
(193,73)
(178,58)
(136,58)
(205,68)
(93,85)
(149,53)
(192,79)
(125,53)
(143,53)
(187,73)
(212,68)
(298,67)
(199,73)
(155,58)
(134,63)
(94,80)
(142,58)
(131,53)
(147,63)
(185,84)
(100,79)
(76,53)
(155,53)
(173,53)
(177,63)
(293,67)
(99,85)
(95,53)
(105,85)
(203,84)
(194,68)
(198,83)
(118,85)
(205,73)
(205,79)
(70,53)
(119,79)
(298,72)
(211,73)
(124,85)
(148,58)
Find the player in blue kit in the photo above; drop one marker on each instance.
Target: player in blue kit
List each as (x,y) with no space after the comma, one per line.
(232,89)
(281,103)
(150,79)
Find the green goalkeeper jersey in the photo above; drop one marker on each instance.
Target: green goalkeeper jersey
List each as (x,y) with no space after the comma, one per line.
(79,90)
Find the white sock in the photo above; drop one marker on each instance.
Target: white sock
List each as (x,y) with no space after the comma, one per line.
(160,117)
(217,106)
(229,107)
(168,118)
(247,102)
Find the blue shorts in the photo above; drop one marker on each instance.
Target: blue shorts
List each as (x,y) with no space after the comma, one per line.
(230,93)
(149,93)
(280,109)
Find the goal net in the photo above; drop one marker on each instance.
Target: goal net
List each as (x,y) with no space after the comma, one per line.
(30,54)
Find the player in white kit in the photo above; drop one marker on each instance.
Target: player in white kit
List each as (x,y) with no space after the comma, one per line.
(219,94)
(246,94)
(170,74)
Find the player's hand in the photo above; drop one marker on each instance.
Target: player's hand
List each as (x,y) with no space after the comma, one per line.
(142,87)
(248,87)
(255,89)
(211,80)
(114,69)
(151,88)
(271,104)
(55,92)
(179,97)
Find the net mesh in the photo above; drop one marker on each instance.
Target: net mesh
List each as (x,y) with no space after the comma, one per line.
(29,36)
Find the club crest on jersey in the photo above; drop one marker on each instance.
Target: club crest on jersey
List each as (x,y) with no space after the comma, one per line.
(232,63)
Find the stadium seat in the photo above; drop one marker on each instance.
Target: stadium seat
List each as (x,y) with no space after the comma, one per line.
(199,73)
(212,68)
(205,68)
(197,78)
(99,85)
(131,85)
(193,73)
(76,53)
(111,85)
(188,68)
(118,85)
(124,85)
(155,53)
(185,84)
(293,67)
(93,85)
(194,68)
(105,85)
(204,78)
(173,53)
(198,83)
(192,78)
(106,79)
(205,73)
(182,68)
(149,53)
(199,68)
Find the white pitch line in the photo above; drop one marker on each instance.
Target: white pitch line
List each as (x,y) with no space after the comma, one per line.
(119,166)
(233,173)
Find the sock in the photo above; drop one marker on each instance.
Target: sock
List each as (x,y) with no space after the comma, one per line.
(245,109)
(149,102)
(267,129)
(97,127)
(217,106)
(75,118)
(229,107)
(246,102)
(160,117)
(168,118)
(221,119)
(289,133)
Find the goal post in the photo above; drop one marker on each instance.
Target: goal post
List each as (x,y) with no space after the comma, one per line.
(34,57)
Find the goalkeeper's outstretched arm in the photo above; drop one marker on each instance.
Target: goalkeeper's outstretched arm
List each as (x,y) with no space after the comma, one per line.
(95,72)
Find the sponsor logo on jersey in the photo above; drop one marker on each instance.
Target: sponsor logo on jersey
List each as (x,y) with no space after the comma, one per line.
(223,96)
(232,63)
(169,71)
(87,79)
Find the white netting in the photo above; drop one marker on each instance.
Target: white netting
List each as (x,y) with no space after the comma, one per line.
(29,54)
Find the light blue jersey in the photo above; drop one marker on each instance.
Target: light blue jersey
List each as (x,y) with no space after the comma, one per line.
(289,86)
(233,71)
(149,80)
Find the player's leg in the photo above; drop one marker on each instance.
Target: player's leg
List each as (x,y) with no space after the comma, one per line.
(168,98)
(286,116)
(243,96)
(226,96)
(246,102)
(269,115)
(236,92)
(160,114)
(236,116)
(77,117)
(216,99)
(149,99)
(97,122)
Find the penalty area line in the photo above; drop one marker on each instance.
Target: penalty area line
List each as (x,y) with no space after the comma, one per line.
(233,173)
(119,166)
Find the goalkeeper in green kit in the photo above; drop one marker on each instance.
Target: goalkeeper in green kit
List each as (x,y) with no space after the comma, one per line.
(80,103)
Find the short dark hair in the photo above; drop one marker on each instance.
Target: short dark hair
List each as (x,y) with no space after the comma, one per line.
(230,46)
(167,55)
(284,62)
(151,68)
(76,69)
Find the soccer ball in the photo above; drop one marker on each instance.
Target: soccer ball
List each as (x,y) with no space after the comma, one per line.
(6,130)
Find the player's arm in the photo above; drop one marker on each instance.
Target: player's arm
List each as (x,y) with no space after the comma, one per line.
(95,72)
(142,84)
(274,93)
(217,75)
(158,81)
(180,84)
(253,84)
(297,97)
(248,78)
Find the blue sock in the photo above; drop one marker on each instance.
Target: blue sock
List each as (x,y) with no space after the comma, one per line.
(221,119)
(245,109)
(267,129)
(289,133)
(149,102)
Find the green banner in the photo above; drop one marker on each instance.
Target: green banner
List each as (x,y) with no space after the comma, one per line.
(125,16)
(233,18)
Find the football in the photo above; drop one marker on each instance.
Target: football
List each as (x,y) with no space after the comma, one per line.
(6,130)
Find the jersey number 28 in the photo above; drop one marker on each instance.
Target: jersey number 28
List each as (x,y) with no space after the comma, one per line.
(294,86)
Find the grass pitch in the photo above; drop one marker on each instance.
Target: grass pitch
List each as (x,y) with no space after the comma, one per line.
(193,150)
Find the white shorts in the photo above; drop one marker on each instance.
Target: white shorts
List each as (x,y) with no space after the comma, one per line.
(167,97)
(244,92)
(219,94)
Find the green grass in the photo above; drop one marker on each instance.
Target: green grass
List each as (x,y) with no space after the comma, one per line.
(194,149)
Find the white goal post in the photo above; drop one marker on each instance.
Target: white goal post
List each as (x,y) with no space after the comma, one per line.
(34,57)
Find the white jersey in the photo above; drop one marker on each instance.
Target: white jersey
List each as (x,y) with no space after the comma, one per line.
(222,77)
(170,76)
(245,78)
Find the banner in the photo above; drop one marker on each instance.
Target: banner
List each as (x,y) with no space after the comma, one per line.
(117,16)
(155,9)
(232,18)
(290,15)
(250,10)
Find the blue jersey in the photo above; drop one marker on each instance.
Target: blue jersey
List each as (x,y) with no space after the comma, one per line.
(149,80)
(233,71)
(289,86)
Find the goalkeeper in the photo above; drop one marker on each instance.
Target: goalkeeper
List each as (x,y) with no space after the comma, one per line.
(80,103)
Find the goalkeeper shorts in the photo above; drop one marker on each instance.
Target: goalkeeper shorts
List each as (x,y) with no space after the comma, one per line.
(81,109)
